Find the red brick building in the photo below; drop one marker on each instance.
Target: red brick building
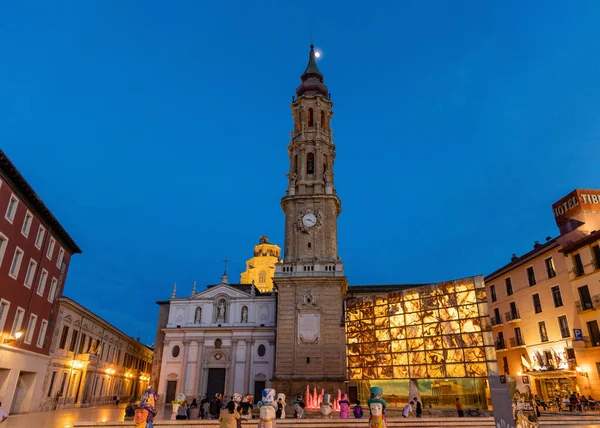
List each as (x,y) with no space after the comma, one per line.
(35,252)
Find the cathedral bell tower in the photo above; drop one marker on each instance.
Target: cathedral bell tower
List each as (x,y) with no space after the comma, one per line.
(310,280)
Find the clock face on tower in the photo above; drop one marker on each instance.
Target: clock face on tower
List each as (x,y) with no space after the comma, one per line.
(309,220)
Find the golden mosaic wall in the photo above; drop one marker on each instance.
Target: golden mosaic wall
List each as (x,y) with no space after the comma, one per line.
(434,331)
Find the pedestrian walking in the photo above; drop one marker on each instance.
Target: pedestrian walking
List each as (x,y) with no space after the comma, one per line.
(459,409)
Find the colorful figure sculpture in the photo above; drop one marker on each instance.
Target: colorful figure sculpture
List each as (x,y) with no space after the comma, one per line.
(377,406)
(281,406)
(146,411)
(237,399)
(344,407)
(326,406)
(268,408)
(246,407)
(299,406)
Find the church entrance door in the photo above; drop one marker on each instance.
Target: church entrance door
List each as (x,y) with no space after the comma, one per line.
(216,382)
(259,385)
(171,391)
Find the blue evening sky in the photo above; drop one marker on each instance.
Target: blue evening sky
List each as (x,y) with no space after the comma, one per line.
(157,131)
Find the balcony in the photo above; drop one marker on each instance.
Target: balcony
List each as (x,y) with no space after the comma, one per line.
(591,342)
(587,305)
(516,342)
(512,316)
(500,345)
(496,321)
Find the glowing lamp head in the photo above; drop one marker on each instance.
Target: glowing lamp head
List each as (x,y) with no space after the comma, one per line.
(578,368)
(519,373)
(18,334)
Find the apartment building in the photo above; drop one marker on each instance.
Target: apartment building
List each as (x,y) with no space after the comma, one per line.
(35,253)
(92,361)
(544,304)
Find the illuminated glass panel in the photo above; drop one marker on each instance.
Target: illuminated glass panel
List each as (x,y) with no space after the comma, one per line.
(430,332)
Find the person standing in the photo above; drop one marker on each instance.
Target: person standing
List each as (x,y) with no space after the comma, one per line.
(3,414)
(229,416)
(459,409)
(419,407)
(358,410)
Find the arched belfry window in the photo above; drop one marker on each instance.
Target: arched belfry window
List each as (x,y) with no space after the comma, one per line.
(198,316)
(322,119)
(262,277)
(310,163)
(310,117)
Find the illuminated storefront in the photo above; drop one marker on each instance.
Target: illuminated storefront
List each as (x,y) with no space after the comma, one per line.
(434,338)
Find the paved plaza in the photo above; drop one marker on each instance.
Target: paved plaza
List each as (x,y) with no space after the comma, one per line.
(65,418)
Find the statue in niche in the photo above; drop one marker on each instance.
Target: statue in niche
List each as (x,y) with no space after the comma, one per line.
(293,178)
(198,316)
(327,177)
(221,310)
(245,314)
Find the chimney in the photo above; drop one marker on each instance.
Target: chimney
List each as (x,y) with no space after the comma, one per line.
(536,245)
(548,238)
(514,258)
(137,339)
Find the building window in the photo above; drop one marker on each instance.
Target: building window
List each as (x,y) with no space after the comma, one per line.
(61,256)
(531,276)
(323,124)
(493,292)
(175,351)
(310,163)
(73,344)
(497,318)
(52,292)
(30,329)
(82,349)
(550,269)
(577,265)
(594,333)
(262,277)
(509,290)
(63,337)
(4,306)
(40,237)
(585,299)
(311,118)
(50,251)
(42,334)
(556,296)
(18,321)
(27,224)
(262,350)
(514,313)
(42,282)
(596,256)
(12,209)
(543,331)
(563,324)
(3,245)
(31,268)
(537,304)
(51,384)
(198,316)
(505,366)
(15,266)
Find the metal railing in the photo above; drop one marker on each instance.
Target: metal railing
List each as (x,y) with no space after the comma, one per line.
(591,342)
(500,344)
(496,320)
(512,316)
(516,341)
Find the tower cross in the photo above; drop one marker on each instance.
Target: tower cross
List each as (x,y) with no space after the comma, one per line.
(225,261)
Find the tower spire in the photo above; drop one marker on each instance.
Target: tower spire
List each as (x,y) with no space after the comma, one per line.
(174,295)
(312,78)
(194,288)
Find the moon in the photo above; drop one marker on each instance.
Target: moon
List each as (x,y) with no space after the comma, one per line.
(317,54)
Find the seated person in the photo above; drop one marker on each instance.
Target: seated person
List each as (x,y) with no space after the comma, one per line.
(182,411)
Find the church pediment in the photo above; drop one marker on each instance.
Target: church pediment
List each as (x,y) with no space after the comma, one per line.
(221,289)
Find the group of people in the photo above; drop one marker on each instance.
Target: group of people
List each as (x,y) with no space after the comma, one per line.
(418,407)
(575,402)
(214,408)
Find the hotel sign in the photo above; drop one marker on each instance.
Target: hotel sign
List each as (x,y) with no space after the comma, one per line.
(575,202)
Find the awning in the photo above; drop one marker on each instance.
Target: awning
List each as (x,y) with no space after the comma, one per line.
(552,374)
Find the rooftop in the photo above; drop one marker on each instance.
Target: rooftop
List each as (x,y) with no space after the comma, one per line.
(538,249)
(9,169)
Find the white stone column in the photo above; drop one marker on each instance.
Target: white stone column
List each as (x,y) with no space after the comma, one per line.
(196,374)
(250,364)
(247,368)
(184,361)
(234,343)
(162,382)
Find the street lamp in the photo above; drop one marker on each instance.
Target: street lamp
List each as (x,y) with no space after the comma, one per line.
(17,336)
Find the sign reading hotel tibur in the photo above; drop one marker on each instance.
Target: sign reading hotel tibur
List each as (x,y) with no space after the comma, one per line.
(574,203)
